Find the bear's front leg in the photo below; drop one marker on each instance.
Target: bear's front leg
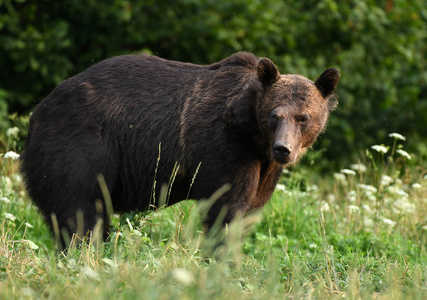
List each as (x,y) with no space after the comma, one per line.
(251,190)
(235,198)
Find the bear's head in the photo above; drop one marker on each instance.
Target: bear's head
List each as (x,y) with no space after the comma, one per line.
(292,110)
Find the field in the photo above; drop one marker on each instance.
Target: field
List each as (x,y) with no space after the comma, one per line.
(357,234)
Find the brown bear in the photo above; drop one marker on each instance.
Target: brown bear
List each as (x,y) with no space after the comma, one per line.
(141,121)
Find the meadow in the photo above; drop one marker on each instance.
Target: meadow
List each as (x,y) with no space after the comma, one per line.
(360,233)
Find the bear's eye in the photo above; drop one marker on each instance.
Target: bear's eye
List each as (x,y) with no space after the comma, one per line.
(274,119)
(303,119)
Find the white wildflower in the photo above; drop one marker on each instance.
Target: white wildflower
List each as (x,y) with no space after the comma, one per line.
(12,131)
(17,178)
(4,199)
(402,193)
(340,177)
(367,209)
(397,191)
(312,246)
(389,222)
(353,208)
(403,153)
(28,225)
(425,227)
(386,180)
(359,167)
(368,222)
(348,172)
(369,191)
(387,200)
(351,196)
(285,171)
(397,136)
(371,197)
(280,187)
(10,216)
(11,155)
(324,206)
(8,184)
(313,187)
(416,186)
(331,198)
(380,148)
(404,206)
(182,276)
(367,187)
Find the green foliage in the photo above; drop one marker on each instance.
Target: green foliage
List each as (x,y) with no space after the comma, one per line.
(379,47)
(357,234)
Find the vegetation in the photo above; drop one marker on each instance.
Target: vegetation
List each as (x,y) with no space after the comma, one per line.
(379,47)
(358,234)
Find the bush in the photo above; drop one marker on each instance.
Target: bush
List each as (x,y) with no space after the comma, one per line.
(380,49)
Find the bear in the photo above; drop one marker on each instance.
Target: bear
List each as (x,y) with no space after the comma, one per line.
(140,121)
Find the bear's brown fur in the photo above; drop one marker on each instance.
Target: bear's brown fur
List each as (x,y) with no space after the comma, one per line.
(141,119)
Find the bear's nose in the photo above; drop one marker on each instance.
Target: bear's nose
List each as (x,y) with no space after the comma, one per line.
(282,150)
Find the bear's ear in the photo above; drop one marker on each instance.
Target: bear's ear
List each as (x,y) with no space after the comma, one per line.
(327,82)
(267,72)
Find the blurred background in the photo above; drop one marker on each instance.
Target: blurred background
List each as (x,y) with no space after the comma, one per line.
(380,48)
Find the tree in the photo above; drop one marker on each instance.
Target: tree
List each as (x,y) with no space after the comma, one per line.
(379,47)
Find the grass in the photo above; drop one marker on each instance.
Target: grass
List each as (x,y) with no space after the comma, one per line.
(357,234)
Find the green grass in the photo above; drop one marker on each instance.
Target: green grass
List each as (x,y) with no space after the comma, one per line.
(354,234)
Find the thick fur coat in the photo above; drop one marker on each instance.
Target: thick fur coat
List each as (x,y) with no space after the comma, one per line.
(142,121)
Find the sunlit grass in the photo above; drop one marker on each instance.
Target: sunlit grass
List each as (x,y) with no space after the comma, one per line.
(359,233)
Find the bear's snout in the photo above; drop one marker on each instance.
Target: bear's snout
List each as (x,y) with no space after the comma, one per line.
(281,152)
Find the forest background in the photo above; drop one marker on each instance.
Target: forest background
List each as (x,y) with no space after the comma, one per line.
(380,48)
(350,221)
